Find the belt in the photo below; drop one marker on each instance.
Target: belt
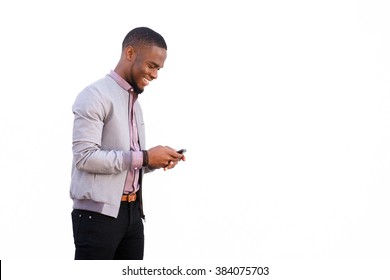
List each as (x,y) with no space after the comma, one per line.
(129,197)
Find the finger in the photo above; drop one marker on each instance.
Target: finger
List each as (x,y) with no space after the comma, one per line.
(174,155)
(171,150)
(168,166)
(171,165)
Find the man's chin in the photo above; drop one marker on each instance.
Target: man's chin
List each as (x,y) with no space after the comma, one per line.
(138,90)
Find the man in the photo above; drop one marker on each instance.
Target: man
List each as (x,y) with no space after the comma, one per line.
(109,156)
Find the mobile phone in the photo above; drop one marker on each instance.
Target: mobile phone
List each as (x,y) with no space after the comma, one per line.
(182,151)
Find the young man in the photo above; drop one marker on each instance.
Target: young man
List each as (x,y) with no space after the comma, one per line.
(109,156)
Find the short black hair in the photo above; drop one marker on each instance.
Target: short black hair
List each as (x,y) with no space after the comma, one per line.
(143,36)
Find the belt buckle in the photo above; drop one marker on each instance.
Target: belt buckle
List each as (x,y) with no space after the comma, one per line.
(130,197)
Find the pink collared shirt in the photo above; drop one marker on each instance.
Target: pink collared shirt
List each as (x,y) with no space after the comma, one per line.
(132,179)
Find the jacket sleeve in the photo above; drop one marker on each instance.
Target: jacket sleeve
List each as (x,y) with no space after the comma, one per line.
(89,115)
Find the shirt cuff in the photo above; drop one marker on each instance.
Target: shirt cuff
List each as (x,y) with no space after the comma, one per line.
(137,160)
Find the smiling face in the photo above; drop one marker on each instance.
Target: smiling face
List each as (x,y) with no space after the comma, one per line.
(143,65)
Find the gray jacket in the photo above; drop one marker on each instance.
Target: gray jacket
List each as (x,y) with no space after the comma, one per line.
(101,147)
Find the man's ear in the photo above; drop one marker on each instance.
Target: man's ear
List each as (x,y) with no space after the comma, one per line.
(129,52)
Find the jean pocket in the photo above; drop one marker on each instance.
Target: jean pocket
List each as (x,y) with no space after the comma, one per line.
(76,222)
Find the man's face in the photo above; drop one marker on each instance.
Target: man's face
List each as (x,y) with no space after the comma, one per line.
(146,63)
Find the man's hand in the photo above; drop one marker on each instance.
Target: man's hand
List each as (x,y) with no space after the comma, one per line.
(164,156)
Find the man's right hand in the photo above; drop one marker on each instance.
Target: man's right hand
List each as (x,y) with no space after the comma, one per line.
(163,156)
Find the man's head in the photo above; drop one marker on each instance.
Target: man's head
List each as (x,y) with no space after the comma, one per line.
(143,53)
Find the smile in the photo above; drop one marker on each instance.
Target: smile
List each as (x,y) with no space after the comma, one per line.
(146,81)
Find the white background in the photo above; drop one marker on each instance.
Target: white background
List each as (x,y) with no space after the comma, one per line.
(283,106)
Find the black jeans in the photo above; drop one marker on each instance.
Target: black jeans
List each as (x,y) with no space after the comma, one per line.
(100,237)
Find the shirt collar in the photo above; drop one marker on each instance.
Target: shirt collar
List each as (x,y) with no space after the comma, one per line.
(120,81)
